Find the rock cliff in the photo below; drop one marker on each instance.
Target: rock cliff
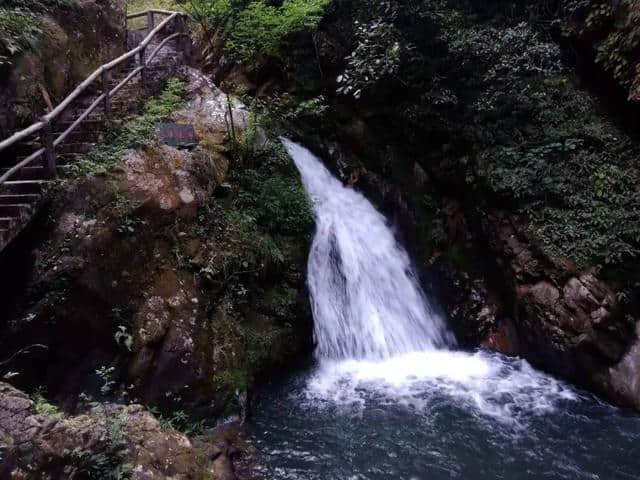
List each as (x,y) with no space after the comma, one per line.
(53,47)
(514,186)
(169,268)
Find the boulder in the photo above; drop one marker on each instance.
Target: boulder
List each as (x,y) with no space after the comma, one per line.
(106,438)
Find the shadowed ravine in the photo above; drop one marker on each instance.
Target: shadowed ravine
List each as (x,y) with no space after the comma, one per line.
(388,396)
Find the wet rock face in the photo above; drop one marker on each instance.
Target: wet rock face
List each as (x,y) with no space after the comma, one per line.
(105,439)
(567,320)
(624,377)
(135,271)
(476,316)
(73,44)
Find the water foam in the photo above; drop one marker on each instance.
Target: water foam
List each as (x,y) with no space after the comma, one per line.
(506,389)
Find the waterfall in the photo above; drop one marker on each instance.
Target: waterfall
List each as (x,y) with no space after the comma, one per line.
(365,297)
(378,337)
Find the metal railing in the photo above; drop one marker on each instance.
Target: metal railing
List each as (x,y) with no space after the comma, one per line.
(49,142)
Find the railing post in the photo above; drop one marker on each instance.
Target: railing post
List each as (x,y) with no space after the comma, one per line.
(185,41)
(150,22)
(143,72)
(105,92)
(49,149)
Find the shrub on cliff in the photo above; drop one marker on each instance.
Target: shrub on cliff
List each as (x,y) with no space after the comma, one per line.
(251,29)
(20,24)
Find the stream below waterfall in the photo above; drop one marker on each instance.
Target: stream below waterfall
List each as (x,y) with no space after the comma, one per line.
(388,395)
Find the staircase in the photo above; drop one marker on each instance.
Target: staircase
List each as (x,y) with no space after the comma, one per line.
(48,152)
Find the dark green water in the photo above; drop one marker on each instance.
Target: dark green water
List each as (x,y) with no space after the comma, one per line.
(510,423)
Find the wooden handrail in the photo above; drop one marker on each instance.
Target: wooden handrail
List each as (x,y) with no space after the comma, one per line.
(98,73)
(160,26)
(79,120)
(107,66)
(162,44)
(73,95)
(21,135)
(126,79)
(152,10)
(21,165)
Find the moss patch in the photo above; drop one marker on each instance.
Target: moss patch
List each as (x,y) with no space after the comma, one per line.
(135,132)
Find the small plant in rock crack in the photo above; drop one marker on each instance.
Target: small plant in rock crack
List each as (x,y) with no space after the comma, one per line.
(181,421)
(108,461)
(130,225)
(42,405)
(106,375)
(123,338)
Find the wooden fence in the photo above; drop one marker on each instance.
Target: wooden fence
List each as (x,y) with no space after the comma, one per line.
(49,142)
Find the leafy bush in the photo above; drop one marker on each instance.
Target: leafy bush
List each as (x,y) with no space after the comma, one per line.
(19,31)
(278,203)
(181,421)
(544,148)
(388,45)
(256,28)
(109,461)
(375,56)
(42,405)
(20,24)
(276,200)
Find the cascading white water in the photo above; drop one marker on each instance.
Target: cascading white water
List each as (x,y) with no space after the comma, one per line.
(378,336)
(387,399)
(365,299)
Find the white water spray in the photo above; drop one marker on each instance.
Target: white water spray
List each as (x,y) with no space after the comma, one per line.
(377,335)
(365,299)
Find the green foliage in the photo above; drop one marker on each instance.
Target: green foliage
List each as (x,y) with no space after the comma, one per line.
(135,132)
(20,24)
(271,192)
(388,45)
(612,31)
(108,460)
(284,207)
(233,380)
(261,29)
(311,108)
(19,31)
(257,28)
(255,249)
(106,376)
(483,100)
(565,169)
(375,56)
(507,54)
(244,142)
(43,407)
(181,421)
(580,206)
(245,350)
(277,203)
(260,232)
(530,141)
